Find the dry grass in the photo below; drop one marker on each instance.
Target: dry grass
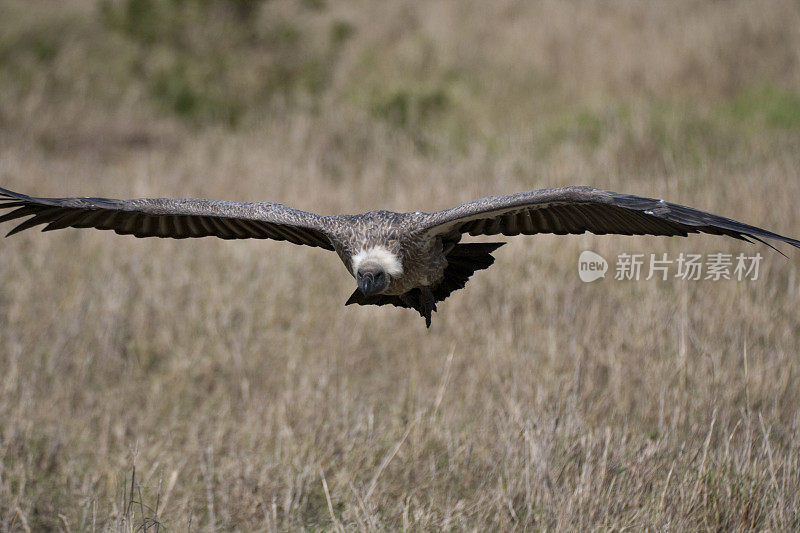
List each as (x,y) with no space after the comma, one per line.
(228,376)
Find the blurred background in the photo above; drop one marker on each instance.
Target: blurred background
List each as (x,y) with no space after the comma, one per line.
(222,385)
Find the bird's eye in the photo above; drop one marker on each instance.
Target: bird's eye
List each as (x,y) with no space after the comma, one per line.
(378,276)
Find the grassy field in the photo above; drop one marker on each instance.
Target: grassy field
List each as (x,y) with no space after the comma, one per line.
(210,385)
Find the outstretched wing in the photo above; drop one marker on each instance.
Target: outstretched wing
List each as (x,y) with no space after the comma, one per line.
(177,218)
(578,209)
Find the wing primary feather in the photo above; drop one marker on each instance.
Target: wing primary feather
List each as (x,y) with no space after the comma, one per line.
(232,228)
(64,221)
(467,227)
(178,230)
(128,224)
(615,220)
(207,225)
(142,226)
(40,218)
(291,234)
(110,220)
(163,227)
(553,222)
(89,219)
(762,241)
(297,235)
(494,226)
(178,227)
(266,229)
(278,231)
(556,216)
(478,226)
(146,226)
(659,226)
(20,212)
(622,217)
(222,231)
(242,231)
(509,224)
(527,222)
(251,228)
(215,228)
(592,223)
(193,227)
(639,223)
(183,223)
(569,217)
(539,221)
(319,239)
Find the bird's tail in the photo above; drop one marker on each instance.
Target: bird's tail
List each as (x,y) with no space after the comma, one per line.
(462,262)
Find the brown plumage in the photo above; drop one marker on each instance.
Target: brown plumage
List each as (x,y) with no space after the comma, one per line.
(411,260)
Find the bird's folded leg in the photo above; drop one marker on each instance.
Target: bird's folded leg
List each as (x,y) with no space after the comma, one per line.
(427,304)
(422,300)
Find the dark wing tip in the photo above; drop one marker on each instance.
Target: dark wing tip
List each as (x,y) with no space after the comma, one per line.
(762,241)
(696,220)
(7,196)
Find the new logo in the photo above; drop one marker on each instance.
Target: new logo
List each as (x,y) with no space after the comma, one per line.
(591,266)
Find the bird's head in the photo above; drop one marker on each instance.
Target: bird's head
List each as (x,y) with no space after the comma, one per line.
(372,278)
(374,268)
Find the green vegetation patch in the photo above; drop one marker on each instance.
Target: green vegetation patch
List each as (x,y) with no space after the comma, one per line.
(206,61)
(582,126)
(407,106)
(768,105)
(213,60)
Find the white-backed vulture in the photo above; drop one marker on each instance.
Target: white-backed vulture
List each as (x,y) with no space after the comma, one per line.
(411,260)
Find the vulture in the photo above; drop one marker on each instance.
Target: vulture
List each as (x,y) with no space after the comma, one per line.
(411,260)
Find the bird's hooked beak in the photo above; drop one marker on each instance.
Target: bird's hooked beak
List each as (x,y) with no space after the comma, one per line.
(372,281)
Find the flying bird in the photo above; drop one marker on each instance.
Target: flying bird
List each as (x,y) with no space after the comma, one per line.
(410,260)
